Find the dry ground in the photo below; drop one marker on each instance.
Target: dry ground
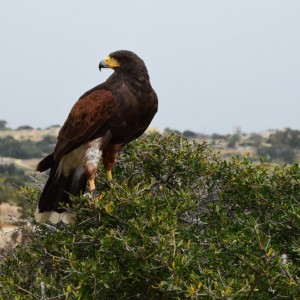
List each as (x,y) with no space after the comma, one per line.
(9,215)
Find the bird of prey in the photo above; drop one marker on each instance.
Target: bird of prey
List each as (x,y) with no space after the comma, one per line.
(99,125)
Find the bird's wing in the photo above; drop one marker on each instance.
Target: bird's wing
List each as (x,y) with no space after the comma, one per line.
(85,119)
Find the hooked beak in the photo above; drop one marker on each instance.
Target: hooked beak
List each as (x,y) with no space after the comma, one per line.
(109,62)
(103,64)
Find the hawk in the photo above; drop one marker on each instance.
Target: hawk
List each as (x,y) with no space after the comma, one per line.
(99,125)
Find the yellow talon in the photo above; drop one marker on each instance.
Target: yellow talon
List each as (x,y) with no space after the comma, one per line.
(109,175)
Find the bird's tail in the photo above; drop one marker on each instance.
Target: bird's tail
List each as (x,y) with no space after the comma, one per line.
(46,163)
(57,192)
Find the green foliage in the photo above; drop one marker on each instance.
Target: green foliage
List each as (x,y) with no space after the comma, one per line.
(177,222)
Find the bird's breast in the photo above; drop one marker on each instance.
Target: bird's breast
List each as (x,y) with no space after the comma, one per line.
(92,155)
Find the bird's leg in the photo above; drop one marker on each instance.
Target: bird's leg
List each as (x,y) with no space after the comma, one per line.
(109,158)
(92,184)
(109,175)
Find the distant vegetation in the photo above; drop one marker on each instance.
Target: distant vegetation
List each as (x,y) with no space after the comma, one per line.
(10,170)
(3,124)
(10,147)
(281,146)
(25,127)
(11,179)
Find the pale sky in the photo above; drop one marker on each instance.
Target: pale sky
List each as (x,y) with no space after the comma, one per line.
(215,64)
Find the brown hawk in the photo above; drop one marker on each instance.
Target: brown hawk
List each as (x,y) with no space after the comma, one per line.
(99,125)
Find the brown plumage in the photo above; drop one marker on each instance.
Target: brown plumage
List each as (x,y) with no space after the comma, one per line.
(99,125)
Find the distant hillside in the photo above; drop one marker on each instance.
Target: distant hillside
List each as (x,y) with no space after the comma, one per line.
(34,135)
(272,145)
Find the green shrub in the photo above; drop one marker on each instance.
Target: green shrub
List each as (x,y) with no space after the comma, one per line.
(177,222)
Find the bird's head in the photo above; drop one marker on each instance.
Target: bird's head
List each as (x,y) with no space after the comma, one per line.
(122,60)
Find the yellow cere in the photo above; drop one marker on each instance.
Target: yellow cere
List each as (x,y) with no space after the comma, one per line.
(111,62)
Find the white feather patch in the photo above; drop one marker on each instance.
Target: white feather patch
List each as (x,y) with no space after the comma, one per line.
(54,217)
(93,154)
